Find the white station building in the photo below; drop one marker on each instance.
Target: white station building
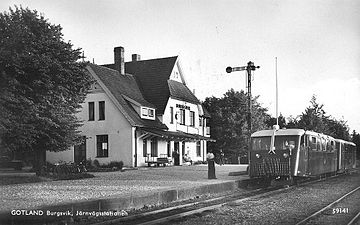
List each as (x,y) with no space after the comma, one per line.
(137,112)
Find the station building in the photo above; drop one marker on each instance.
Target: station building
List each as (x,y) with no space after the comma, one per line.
(137,112)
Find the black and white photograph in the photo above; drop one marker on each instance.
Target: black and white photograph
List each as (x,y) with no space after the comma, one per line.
(179,112)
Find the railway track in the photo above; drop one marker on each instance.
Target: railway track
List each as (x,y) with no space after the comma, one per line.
(332,205)
(175,212)
(165,215)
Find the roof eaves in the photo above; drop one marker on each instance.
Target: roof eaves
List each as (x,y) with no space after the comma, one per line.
(111,96)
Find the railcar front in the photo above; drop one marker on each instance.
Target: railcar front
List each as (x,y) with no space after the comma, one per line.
(278,161)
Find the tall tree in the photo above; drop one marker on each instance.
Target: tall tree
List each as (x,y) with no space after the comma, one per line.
(229,122)
(315,118)
(338,129)
(42,85)
(355,137)
(272,121)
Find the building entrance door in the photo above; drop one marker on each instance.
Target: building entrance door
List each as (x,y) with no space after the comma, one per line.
(80,151)
(176,154)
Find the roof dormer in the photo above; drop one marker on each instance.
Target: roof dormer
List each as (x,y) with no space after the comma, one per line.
(147,113)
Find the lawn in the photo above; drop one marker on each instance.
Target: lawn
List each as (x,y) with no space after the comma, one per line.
(16,179)
(21,179)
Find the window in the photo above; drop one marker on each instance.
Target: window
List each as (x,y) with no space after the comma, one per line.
(182,116)
(102,110)
(171,115)
(198,148)
(318,144)
(200,121)
(323,144)
(147,113)
(151,112)
(333,146)
(192,118)
(145,147)
(281,143)
(154,147)
(102,145)
(313,144)
(91,111)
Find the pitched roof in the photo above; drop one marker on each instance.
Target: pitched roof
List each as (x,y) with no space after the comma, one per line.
(122,88)
(181,92)
(153,76)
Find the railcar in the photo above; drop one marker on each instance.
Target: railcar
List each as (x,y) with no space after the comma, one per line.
(288,153)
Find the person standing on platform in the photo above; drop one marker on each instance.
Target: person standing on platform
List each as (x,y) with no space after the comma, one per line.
(211,165)
(222,155)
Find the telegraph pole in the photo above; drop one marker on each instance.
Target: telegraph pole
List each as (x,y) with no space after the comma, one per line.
(250,67)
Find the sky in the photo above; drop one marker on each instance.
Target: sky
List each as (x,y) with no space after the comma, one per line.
(316,43)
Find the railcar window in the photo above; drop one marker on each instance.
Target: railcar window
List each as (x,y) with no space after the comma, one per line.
(281,143)
(313,144)
(305,140)
(261,143)
(318,144)
(323,144)
(332,146)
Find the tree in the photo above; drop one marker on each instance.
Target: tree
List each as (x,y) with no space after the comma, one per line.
(338,129)
(229,122)
(42,85)
(355,138)
(272,121)
(315,118)
(292,122)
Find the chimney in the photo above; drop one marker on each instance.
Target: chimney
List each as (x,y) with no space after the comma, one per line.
(135,57)
(119,60)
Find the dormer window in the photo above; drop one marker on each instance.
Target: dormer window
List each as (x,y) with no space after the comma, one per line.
(147,113)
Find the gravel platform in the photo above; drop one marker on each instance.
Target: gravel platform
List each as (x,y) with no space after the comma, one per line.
(111,184)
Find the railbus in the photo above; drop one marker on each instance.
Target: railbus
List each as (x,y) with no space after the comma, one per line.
(288,153)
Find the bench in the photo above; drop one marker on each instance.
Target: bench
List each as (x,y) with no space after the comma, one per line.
(162,160)
(5,162)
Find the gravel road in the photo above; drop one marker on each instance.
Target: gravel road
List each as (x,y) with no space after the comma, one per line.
(108,185)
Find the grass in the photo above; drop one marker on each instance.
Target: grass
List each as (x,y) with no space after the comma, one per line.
(17,179)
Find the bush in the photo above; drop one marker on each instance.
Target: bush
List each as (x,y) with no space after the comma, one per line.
(197,162)
(62,168)
(71,176)
(89,164)
(112,166)
(96,163)
(119,165)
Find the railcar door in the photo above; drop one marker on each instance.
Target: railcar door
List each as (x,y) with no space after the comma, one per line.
(303,160)
(342,157)
(338,156)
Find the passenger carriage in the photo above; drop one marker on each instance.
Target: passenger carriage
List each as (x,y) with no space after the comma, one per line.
(298,153)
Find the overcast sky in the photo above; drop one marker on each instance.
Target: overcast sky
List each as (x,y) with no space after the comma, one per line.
(317,44)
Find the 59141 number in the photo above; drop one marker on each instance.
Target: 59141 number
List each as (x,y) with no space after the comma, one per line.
(340,210)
